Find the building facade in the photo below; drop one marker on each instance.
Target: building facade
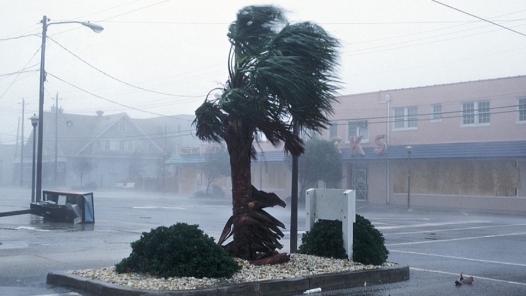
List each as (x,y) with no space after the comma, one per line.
(460,145)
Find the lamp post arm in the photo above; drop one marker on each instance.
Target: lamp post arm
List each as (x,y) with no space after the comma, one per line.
(96,28)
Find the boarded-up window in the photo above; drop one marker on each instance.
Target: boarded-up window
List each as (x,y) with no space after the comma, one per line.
(461,177)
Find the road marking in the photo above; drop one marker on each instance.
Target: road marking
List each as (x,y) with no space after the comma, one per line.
(62,294)
(429,224)
(454,229)
(457,239)
(393,219)
(158,207)
(461,258)
(475,277)
(31,228)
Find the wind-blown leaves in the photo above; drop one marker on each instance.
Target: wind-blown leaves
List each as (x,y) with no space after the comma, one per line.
(279,73)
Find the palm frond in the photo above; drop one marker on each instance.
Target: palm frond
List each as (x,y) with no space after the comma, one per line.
(209,122)
(253,28)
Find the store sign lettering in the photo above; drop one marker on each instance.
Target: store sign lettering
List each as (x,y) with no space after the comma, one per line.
(356,149)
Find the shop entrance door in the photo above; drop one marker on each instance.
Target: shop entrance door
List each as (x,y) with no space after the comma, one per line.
(358,175)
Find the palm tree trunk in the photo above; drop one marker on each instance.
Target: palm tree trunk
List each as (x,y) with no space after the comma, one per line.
(241,196)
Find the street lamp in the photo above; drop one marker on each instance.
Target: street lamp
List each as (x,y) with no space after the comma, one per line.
(97,29)
(164,155)
(294,196)
(408,149)
(34,123)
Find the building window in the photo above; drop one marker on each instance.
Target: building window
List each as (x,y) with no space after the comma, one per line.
(521,106)
(475,113)
(129,145)
(436,114)
(405,118)
(114,145)
(358,128)
(122,126)
(189,150)
(333,130)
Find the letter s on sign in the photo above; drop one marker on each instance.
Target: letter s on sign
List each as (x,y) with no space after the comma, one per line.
(381,144)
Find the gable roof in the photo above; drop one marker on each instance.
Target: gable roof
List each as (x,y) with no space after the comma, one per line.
(75,132)
(169,132)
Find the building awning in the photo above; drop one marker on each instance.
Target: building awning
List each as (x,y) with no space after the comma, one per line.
(473,150)
(185,159)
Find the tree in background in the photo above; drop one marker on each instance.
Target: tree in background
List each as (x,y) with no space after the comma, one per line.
(280,78)
(136,168)
(216,165)
(83,166)
(320,162)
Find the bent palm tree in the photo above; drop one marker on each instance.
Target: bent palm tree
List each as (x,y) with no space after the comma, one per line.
(280,75)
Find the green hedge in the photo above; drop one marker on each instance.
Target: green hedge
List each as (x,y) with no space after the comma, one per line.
(180,250)
(325,239)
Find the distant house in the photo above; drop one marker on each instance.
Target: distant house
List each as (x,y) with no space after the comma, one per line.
(123,150)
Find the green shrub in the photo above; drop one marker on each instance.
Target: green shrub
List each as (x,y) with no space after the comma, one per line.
(325,239)
(217,191)
(368,243)
(180,250)
(201,194)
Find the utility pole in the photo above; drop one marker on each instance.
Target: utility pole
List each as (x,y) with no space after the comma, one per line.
(294,197)
(56,139)
(22,146)
(45,24)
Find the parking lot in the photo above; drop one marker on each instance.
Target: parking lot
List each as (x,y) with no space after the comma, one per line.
(436,245)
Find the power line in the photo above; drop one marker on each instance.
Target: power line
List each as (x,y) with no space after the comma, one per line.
(18,37)
(418,117)
(138,9)
(480,18)
(116,79)
(444,103)
(121,14)
(19,72)
(391,46)
(111,101)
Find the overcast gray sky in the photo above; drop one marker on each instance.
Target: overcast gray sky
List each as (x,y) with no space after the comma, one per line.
(179,48)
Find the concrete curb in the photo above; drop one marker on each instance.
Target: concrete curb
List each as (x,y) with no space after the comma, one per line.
(292,286)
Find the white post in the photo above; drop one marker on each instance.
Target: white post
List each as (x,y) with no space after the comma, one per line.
(349,217)
(310,208)
(332,204)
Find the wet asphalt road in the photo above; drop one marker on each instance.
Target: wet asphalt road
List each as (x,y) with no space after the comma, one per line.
(436,245)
